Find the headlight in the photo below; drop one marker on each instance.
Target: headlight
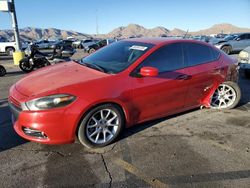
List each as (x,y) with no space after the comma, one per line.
(218,45)
(48,102)
(244,55)
(28,52)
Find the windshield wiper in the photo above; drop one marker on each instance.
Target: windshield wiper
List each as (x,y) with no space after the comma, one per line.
(93,66)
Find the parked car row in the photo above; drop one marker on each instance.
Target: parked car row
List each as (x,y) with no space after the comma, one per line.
(88,45)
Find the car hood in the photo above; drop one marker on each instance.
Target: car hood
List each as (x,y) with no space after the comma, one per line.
(52,78)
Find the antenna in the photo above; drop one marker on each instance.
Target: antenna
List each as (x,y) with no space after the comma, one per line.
(186,34)
(97,27)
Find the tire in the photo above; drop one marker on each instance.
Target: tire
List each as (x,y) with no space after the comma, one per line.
(227,49)
(25,65)
(2,71)
(229,92)
(91,50)
(247,73)
(93,124)
(10,50)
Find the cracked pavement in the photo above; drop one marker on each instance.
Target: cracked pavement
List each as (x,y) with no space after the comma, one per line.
(199,148)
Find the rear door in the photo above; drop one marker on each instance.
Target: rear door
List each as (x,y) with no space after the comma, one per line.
(203,69)
(163,94)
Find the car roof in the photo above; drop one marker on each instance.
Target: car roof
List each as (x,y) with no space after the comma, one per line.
(162,40)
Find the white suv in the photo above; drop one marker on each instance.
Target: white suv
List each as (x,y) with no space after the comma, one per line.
(9,47)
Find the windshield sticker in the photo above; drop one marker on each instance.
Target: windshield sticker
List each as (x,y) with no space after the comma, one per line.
(141,48)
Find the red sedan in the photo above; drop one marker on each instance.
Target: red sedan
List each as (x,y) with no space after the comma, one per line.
(118,86)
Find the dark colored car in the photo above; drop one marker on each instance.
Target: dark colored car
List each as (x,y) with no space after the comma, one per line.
(121,85)
(62,43)
(92,48)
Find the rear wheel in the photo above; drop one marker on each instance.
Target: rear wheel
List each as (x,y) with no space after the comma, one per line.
(226,96)
(92,50)
(101,126)
(2,70)
(25,65)
(226,49)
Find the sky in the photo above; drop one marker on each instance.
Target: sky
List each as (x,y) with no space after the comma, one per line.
(82,15)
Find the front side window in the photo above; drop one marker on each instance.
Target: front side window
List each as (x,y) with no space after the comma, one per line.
(198,54)
(167,58)
(242,37)
(116,57)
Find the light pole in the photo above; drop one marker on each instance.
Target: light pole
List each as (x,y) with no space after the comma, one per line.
(14,24)
(9,6)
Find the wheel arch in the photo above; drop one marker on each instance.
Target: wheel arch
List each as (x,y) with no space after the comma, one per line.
(227,45)
(10,47)
(121,106)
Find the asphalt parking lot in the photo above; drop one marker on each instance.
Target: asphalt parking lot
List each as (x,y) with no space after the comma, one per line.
(199,148)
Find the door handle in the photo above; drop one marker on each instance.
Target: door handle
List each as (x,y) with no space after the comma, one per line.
(217,68)
(183,77)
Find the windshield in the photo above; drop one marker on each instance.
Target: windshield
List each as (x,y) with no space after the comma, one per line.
(116,57)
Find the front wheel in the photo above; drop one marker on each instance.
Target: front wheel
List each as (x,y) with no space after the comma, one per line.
(226,96)
(101,126)
(25,65)
(226,49)
(2,71)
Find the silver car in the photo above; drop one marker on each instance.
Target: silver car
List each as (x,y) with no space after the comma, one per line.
(244,61)
(235,42)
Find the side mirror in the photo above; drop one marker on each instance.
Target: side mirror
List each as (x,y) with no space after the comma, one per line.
(149,71)
(238,39)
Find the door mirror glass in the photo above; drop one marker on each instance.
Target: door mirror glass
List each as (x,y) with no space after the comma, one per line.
(149,71)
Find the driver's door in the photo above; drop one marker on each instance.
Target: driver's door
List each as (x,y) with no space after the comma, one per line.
(165,93)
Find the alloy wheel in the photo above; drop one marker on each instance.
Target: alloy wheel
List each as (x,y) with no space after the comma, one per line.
(223,97)
(102,126)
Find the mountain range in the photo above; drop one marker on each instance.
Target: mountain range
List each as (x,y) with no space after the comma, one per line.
(132,30)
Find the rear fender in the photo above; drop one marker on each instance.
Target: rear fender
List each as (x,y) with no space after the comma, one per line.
(206,100)
(233,73)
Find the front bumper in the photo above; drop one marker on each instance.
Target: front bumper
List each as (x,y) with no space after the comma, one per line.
(58,125)
(58,130)
(244,65)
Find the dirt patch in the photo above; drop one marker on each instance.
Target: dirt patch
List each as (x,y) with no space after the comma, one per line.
(243,121)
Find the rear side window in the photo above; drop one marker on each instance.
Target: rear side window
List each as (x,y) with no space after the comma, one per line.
(167,58)
(216,54)
(198,54)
